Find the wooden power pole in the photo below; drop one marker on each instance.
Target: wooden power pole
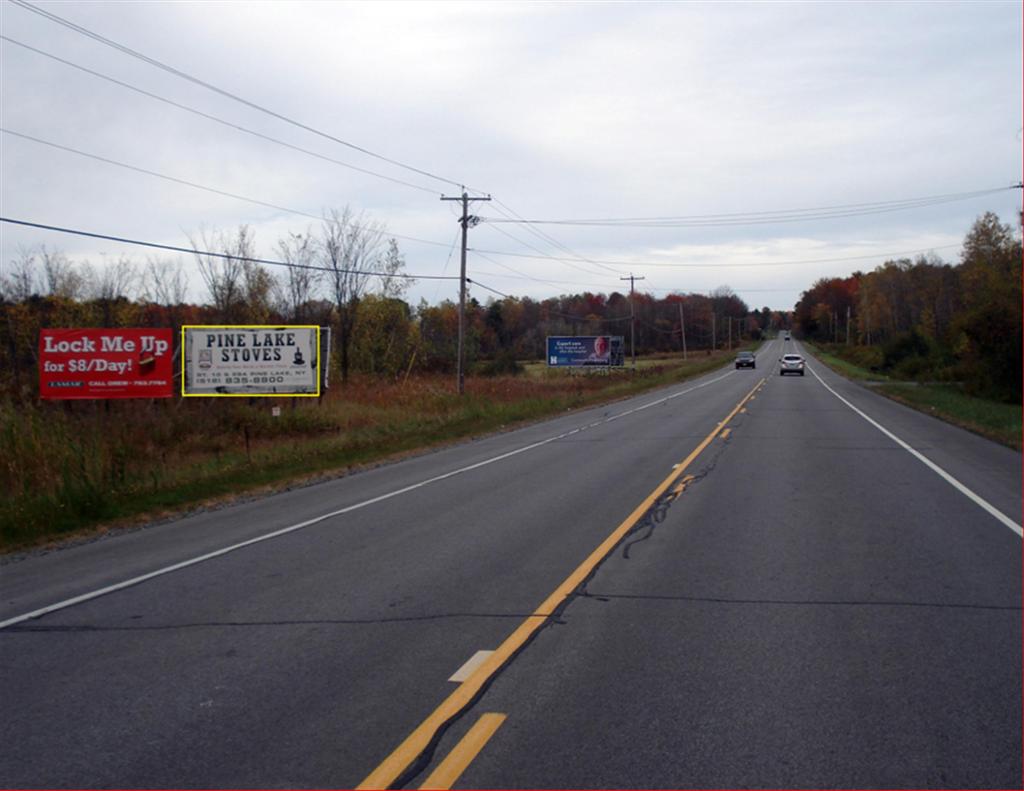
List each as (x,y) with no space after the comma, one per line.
(466,221)
(632,316)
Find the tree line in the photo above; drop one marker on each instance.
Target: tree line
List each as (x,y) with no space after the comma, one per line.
(347,274)
(922,318)
(927,319)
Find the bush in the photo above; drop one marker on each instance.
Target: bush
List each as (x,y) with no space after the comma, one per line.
(504,364)
(903,346)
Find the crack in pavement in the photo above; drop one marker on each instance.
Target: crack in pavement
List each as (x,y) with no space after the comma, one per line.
(799,602)
(63,629)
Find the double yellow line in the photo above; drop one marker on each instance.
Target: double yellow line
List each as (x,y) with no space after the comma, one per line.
(420,739)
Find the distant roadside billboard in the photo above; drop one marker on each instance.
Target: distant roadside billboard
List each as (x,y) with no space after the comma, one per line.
(105,363)
(250,360)
(604,350)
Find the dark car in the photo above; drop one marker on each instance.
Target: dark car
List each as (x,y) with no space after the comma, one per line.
(746,360)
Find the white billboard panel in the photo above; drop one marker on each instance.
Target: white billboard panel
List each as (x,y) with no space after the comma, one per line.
(250,360)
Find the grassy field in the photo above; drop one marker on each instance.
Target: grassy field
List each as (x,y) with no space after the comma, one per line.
(993,419)
(74,466)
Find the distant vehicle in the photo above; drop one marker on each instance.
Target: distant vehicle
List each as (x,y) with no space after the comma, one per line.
(791,364)
(746,360)
(785,337)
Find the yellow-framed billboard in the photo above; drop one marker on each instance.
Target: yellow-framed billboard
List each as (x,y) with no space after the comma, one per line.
(247,360)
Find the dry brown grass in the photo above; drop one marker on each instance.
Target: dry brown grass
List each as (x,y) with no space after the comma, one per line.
(69,465)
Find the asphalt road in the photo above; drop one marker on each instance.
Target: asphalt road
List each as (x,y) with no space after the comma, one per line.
(807,604)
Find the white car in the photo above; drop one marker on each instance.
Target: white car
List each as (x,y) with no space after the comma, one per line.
(791,364)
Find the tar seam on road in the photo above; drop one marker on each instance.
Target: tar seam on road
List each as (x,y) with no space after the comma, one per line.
(800,602)
(975,498)
(61,605)
(463,753)
(411,756)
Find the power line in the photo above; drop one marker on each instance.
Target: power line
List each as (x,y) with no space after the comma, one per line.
(234,97)
(541,254)
(638,264)
(523,276)
(488,288)
(214,118)
(448,260)
(548,310)
(550,239)
(193,184)
(766,217)
(194,251)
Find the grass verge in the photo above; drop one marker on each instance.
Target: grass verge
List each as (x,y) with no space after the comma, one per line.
(992,419)
(846,368)
(995,420)
(72,469)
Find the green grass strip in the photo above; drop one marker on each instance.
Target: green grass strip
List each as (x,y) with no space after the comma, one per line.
(997,421)
(992,419)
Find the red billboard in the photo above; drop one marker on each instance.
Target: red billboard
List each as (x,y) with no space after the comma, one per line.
(105,363)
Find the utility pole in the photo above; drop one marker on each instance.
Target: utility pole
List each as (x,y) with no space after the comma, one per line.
(467,222)
(632,316)
(847,325)
(714,330)
(682,329)
(730,332)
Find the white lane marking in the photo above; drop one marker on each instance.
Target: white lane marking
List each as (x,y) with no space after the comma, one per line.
(975,498)
(317,519)
(668,398)
(472,664)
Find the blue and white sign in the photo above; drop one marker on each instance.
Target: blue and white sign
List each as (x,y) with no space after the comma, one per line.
(604,350)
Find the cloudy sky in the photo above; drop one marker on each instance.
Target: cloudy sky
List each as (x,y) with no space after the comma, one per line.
(726,115)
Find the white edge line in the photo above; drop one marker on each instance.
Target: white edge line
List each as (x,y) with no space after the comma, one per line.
(61,605)
(976,499)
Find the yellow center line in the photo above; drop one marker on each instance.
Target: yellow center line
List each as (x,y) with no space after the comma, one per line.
(726,433)
(419,740)
(463,753)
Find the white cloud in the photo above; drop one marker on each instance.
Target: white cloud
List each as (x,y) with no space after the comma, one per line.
(560,110)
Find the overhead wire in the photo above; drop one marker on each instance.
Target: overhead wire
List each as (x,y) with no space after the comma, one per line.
(548,310)
(193,184)
(565,261)
(225,93)
(501,205)
(217,119)
(501,294)
(788,215)
(765,217)
(637,264)
(522,275)
(509,210)
(229,256)
(448,260)
(541,234)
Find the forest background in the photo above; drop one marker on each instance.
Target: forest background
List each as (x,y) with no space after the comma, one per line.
(71,465)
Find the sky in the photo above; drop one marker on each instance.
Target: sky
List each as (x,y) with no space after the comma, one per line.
(725,114)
